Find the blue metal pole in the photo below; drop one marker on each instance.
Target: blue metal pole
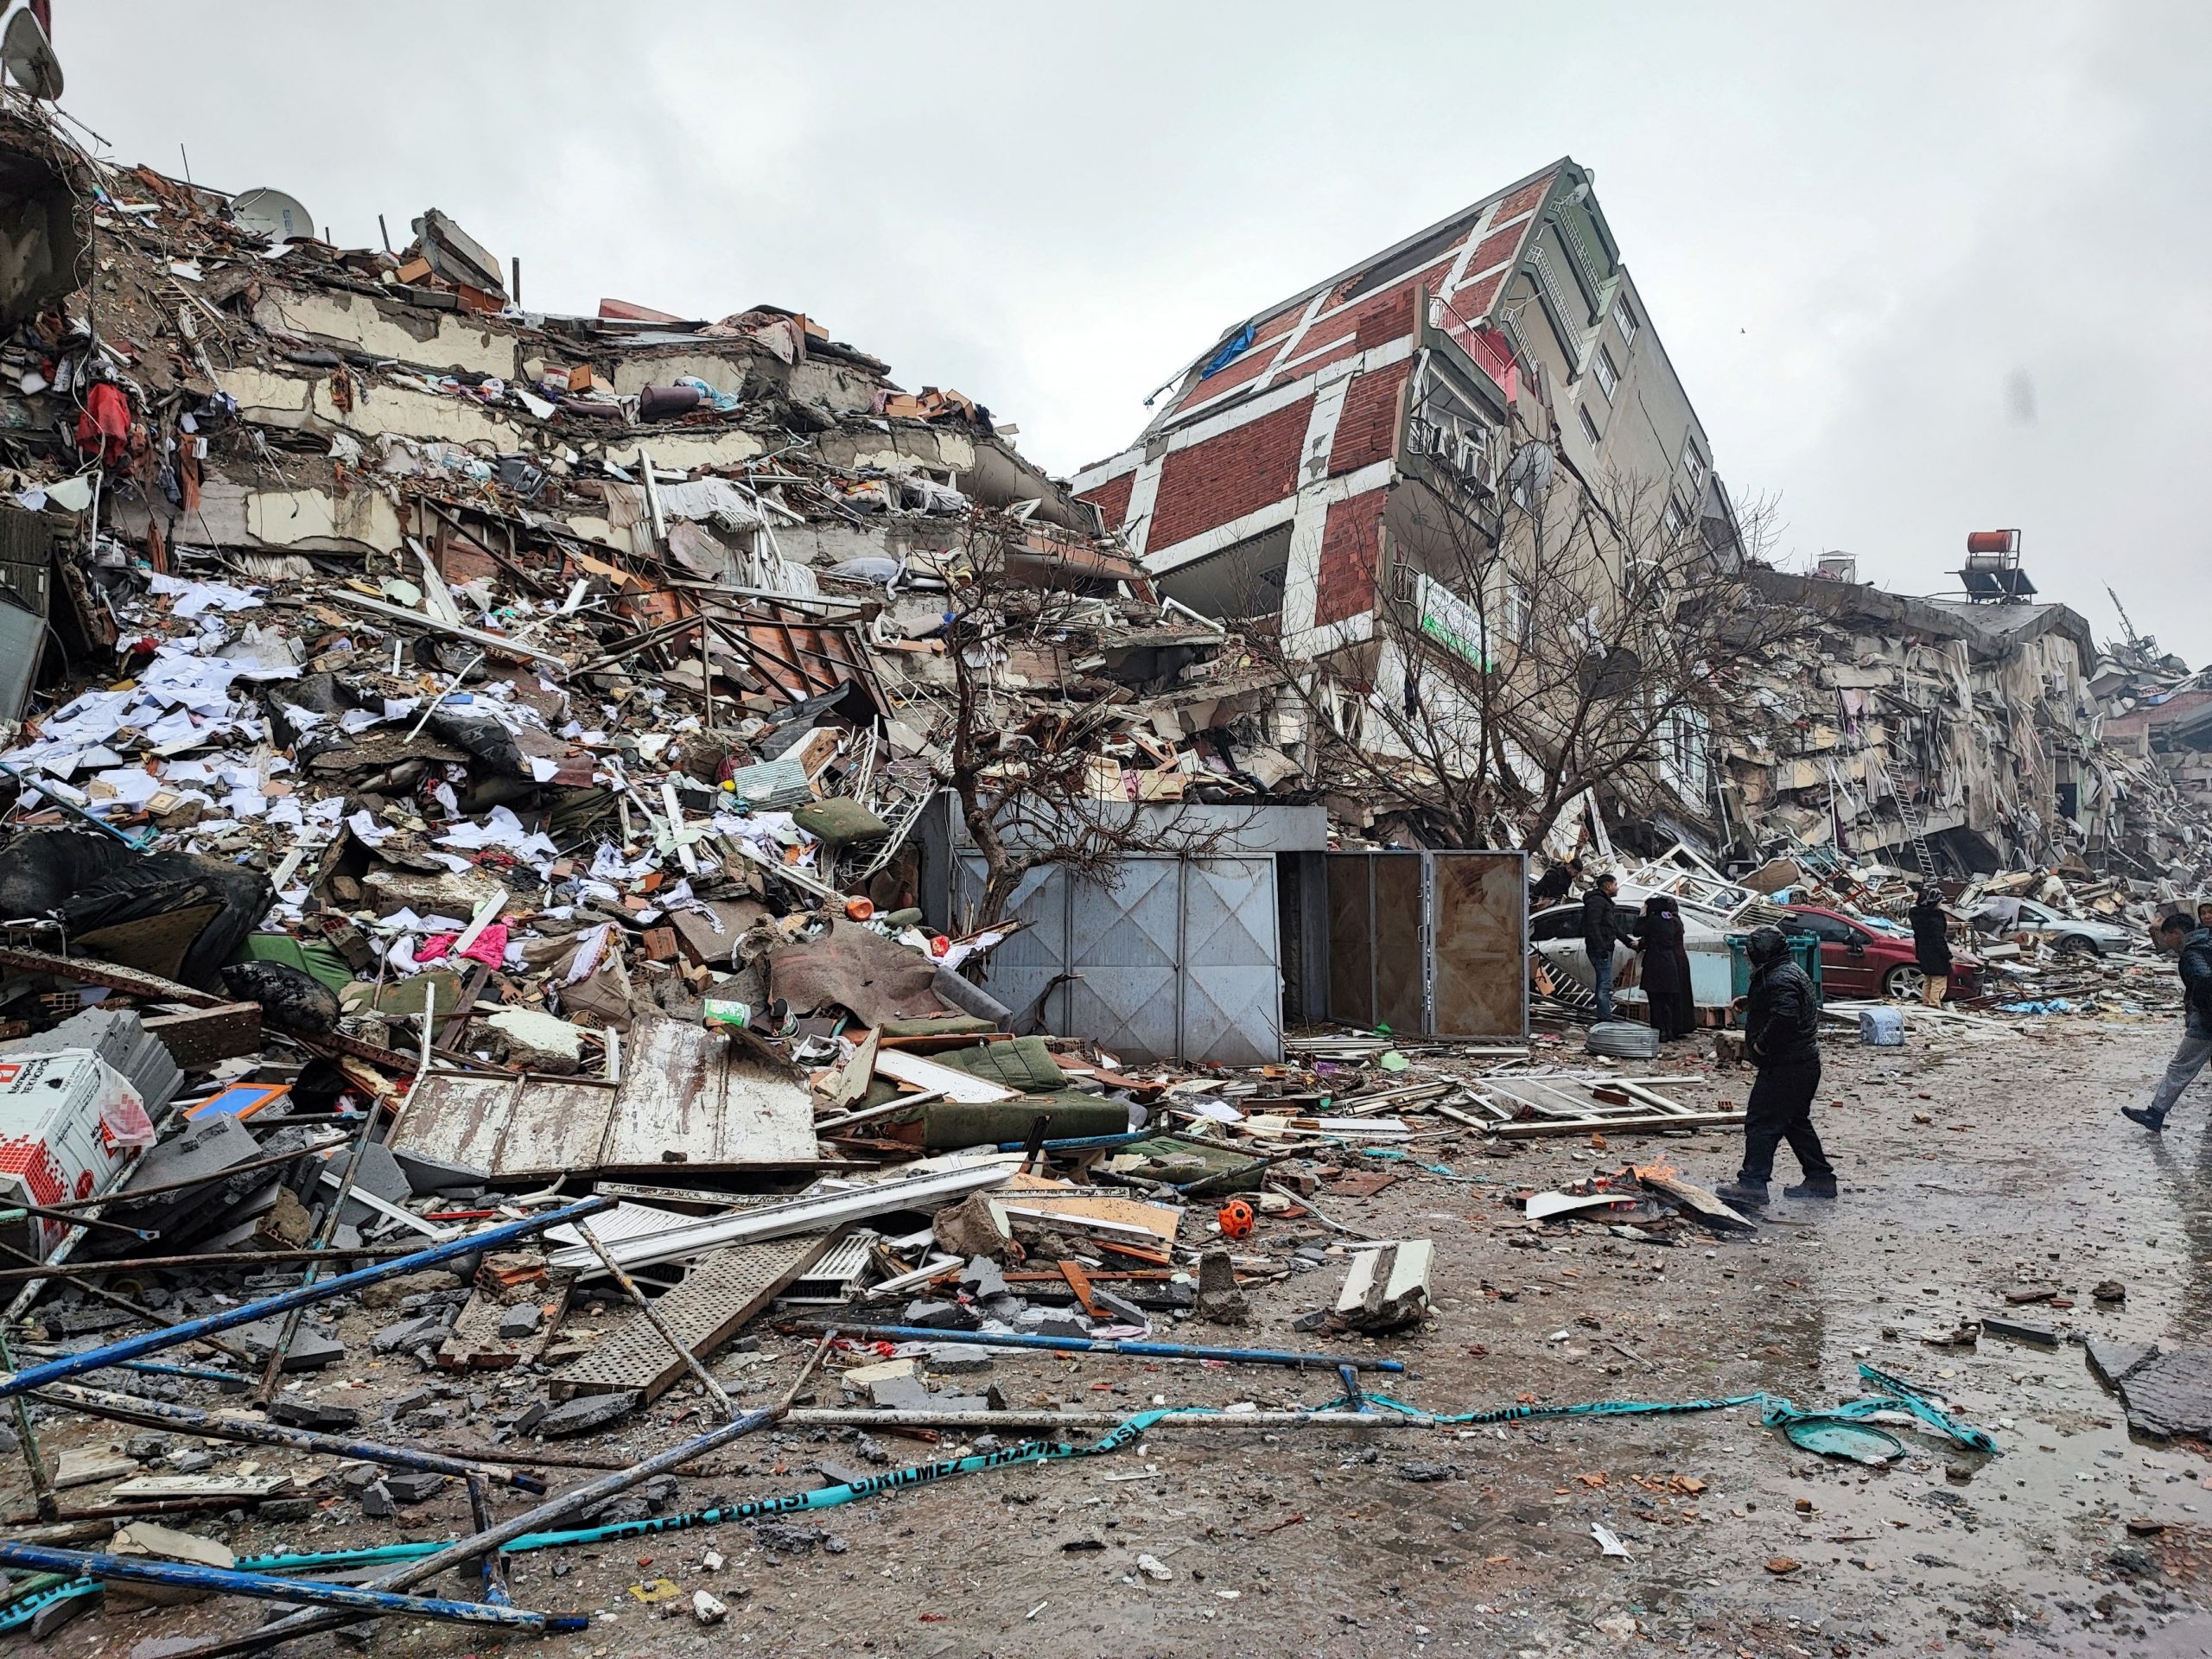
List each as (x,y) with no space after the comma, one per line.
(60,1370)
(266,1586)
(1109,1345)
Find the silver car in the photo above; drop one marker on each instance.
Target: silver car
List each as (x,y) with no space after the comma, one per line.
(2071,934)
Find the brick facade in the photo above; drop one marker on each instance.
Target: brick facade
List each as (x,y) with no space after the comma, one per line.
(1241,470)
(1112,500)
(1351,544)
(1367,431)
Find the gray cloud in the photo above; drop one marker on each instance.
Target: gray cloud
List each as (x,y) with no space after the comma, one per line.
(1860,234)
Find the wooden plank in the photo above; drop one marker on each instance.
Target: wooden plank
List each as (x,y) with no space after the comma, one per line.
(83,970)
(206,1035)
(1072,1272)
(1533,1128)
(710,1307)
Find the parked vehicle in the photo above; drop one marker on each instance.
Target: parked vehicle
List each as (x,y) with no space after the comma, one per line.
(1860,960)
(1556,936)
(2071,934)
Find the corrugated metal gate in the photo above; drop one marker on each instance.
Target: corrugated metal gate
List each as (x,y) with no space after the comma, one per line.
(1430,944)
(1179,960)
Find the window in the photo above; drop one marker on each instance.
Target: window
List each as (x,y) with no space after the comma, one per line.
(1589,426)
(1693,470)
(1671,523)
(1608,375)
(1625,320)
(1828,929)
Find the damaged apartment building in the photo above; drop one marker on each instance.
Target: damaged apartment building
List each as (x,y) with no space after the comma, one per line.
(1957,735)
(1293,478)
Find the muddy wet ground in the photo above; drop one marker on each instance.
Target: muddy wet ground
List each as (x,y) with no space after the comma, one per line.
(1971,1168)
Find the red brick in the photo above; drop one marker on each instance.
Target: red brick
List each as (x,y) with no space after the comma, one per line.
(1112,499)
(1351,544)
(1474,300)
(1367,431)
(1336,352)
(1524,199)
(1496,248)
(1241,470)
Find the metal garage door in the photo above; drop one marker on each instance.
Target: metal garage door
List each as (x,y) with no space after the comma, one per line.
(1179,960)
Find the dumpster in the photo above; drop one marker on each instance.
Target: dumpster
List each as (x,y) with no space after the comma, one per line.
(1803,947)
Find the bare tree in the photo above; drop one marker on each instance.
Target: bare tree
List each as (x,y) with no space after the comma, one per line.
(1565,635)
(1030,766)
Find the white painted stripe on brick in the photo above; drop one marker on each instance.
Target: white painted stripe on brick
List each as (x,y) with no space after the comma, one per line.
(1192,548)
(1290,339)
(1106,471)
(1301,581)
(1456,277)
(1142,494)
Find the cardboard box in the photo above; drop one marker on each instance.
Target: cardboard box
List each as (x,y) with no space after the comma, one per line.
(69,1124)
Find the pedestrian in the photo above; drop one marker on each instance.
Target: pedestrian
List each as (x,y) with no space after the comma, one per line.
(1603,927)
(1782,1021)
(1666,968)
(2194,946)
(1556,883)
(1931,945)
(2204,913)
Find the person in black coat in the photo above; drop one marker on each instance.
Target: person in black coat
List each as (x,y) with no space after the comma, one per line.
(1931,946)
(1666,968)
(1782,1025)
(1554,883)
(1603,927)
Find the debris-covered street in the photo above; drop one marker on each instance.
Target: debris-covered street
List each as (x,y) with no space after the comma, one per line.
(1345,1540)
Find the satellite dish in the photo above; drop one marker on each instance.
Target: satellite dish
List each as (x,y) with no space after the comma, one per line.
(29,56)
(273,214)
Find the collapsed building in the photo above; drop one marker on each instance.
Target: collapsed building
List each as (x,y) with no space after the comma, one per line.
(1953,736)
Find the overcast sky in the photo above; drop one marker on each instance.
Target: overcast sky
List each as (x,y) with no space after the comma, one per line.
(1925,268)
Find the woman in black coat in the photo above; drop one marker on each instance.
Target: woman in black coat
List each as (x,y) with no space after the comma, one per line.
(1931,946)
(1666,968)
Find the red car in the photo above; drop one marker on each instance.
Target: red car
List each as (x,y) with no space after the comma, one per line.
(1858,961)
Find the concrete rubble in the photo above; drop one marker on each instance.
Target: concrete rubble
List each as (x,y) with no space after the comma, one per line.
(497,847)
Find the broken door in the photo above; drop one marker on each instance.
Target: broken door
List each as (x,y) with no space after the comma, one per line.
(1430,944)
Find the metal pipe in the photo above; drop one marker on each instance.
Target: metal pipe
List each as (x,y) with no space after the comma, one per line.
(282,1348)
(993,1422)
(137,1409)
(214,1259)
(17,1211)
(131,1195)
(467,1549)
(114,1299)
(42,1493)
(153,1342)
(1109,1345)
(268,1586)
(692,1363)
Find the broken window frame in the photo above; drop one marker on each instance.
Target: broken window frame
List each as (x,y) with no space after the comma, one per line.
(1625,320)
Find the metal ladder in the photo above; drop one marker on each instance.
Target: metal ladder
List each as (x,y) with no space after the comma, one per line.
(1910,817)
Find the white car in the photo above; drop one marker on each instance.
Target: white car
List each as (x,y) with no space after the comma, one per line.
(2071,934)
(1556,936)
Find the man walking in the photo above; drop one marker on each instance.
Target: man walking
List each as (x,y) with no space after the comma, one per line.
(1782,1021)
(2194,946)
(1603,927)
(1931,945)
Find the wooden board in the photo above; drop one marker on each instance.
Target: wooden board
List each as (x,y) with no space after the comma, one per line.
(689,1099)
(708,1308)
